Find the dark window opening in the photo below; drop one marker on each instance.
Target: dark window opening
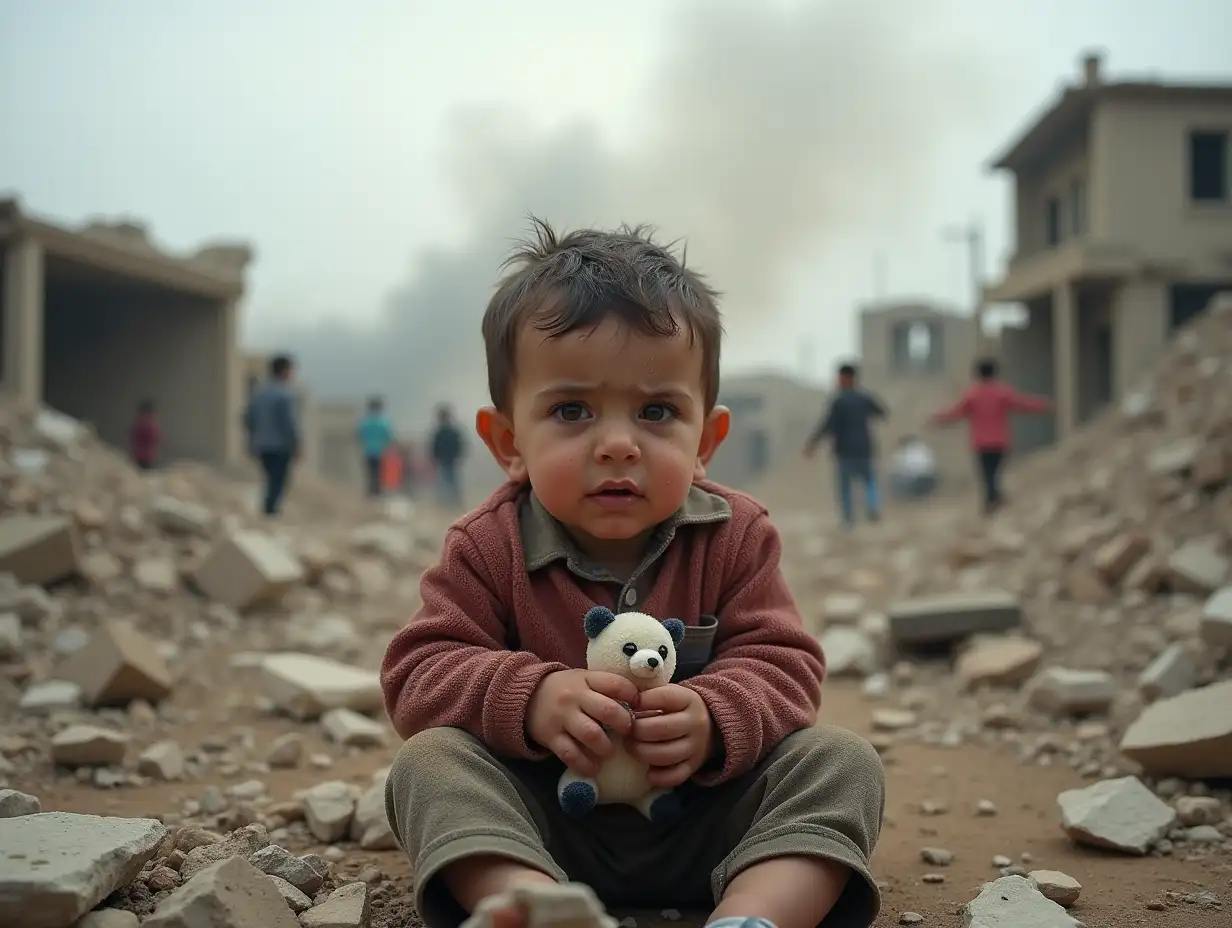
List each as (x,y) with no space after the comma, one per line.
(1078,207)
(1052,221)
(1208,167)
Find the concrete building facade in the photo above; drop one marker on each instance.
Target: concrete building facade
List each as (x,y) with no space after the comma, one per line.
(95,319)
(1123,220)
(917,356)
(772,415)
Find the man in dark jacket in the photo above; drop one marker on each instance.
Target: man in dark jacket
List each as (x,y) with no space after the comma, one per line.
(848,423)
(447,449)
(271,423)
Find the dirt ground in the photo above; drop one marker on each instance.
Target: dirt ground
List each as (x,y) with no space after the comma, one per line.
(1118,891)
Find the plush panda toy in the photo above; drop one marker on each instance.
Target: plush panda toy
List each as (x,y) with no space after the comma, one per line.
(642,649)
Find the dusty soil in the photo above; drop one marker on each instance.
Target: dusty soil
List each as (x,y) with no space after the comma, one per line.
(1116,890)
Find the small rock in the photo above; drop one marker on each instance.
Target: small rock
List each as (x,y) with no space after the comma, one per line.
(1012,901)
(1060,887)
(14,803)
(937,856)
(1120,814)
(346,907)
(88,746)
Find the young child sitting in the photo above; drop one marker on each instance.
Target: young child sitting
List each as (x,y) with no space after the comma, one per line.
(603,369)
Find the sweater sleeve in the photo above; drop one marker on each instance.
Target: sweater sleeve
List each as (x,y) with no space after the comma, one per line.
(451,665)
(764,681)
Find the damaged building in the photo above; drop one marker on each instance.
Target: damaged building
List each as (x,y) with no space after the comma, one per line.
(1123,219)
(95,319)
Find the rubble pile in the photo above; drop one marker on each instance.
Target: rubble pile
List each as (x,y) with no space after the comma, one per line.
(1088,623)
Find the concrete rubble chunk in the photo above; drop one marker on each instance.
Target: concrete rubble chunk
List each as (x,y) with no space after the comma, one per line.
(118,665)
(1189,735)
(39,549)
(1198,567)
(1060,887)
(350,729)
(547,905)
(57,866)
(177,517)
(278,861)
(1013,902)
(849,651)
(1172,672)
(248,569)
(88,746)
(1174,459)
(1117,556)
(243,842)
(1007,661)
(307,686)
(346,907)
(231,893)
(370,825)
(108,918)
(939,619)
(1120,814)
(1061,690)
(1216,627)
(162,760)
(14,803)
(50,696)
(328,809)
(296,901)
(843,608)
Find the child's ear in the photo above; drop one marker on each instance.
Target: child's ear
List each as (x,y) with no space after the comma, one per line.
(715,429)
(496,430)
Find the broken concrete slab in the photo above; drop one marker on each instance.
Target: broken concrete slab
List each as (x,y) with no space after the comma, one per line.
(350,729)
(278,861)
(248,569)
(118,665)
(1198,567)
(1061,690)
(39,549)
(1007,661)
(88,746)
(1216,623)
(14,803)
(945,618)
(306,685)
(241,843)
(346,907)
(1117,556)
(56,866)
(1013,901)
(50,696)
(1172,672)
(177,517)
(1120,814)
(229,892)
(1189,735)
(328,809)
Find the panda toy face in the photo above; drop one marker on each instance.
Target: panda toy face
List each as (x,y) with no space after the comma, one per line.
(632,644)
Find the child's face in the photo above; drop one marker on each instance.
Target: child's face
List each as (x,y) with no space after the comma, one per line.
(610,428)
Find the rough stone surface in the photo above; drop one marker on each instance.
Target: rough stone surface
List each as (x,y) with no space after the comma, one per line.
(229,893)
(1172,672)
(306,685)
(248,569)
(14,803)
(1005,661)
(1120,814)
(1013,902)
(117,666)
(1074,692)
(935,619)
(56,866)
(1188,735)
(1060,887)
(1216,625)
(346,907)
(328,808)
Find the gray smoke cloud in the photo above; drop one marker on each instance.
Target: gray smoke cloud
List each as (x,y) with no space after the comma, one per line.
(764,132)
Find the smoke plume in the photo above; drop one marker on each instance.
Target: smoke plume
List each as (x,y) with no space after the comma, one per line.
(764,132)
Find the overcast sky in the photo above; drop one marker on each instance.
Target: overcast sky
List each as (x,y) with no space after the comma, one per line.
(382,154)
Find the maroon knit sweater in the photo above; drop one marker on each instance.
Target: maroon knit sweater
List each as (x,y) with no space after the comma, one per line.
(454,664)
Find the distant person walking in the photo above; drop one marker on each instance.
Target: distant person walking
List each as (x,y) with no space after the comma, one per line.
(271,422)
(987,405)
(376,434)
(145,436)
(447,449)
(848,423)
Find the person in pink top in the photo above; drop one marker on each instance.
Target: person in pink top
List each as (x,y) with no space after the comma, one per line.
(987,405)
(603,369)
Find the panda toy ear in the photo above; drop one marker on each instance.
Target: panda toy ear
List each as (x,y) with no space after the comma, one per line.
(675,628)
(597,619)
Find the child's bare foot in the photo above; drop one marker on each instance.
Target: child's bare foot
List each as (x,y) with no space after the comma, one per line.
(542,905)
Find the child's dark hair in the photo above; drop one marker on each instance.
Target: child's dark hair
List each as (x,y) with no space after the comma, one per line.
(279,365)
(986,369)
(567,283)
(847,370)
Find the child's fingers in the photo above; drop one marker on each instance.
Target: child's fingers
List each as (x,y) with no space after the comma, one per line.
(607,712)
(662,753)
(573,755)
(670,777)
(665,727)
(588,733)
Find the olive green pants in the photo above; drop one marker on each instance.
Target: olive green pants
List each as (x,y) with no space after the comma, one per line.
(821,793)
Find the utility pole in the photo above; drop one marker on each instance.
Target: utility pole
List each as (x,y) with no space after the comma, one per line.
(972,236)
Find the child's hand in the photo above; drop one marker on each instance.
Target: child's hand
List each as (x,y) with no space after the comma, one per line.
(568,712)
(676,742)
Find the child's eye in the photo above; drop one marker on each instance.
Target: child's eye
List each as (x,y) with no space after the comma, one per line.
(658,412)
(570,412)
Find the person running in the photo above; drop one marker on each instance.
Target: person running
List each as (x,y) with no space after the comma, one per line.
(986,405)
(848,422)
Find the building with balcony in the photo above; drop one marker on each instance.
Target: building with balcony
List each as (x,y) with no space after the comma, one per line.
(1123,221)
